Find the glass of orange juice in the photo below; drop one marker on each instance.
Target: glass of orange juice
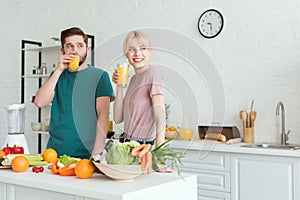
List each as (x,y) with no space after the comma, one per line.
(186,129)
(124,74)
(74,64)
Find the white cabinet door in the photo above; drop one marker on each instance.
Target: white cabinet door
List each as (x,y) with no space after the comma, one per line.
(17,192)
(2,191)
(264,177)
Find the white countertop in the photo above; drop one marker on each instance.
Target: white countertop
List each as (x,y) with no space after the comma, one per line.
(102,187)
(210,145)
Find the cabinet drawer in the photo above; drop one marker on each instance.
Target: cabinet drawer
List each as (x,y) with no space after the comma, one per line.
(17,192)
(212,180)
(212,195)
(207,160)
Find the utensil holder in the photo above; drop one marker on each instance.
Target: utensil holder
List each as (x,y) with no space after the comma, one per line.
(249,135)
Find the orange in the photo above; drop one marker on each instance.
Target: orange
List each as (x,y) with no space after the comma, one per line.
(49,155)
(172,128)
(84,168)
(20,164)
(2,153)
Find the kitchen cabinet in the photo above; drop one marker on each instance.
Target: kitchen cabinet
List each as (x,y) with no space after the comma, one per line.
(264,177)
(16,192)
(213,173)
(41,52)
(2,191)
(240,173)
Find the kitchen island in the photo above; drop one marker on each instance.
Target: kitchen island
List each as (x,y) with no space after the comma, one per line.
(36,186)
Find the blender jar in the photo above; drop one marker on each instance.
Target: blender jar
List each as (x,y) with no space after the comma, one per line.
(15,118)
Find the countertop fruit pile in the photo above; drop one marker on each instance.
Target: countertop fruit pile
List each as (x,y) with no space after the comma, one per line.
(127,153)
(14,157)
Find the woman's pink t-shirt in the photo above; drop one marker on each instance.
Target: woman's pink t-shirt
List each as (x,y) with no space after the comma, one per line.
(139,122)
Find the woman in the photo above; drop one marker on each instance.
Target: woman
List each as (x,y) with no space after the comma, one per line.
(143,107)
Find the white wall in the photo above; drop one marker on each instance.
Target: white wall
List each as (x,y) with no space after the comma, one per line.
(256,55)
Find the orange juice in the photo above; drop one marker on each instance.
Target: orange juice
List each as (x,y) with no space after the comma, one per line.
(186,134)
(74,64)
(110,126)
(124,74)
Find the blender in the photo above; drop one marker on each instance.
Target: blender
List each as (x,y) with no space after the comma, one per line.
(16,123)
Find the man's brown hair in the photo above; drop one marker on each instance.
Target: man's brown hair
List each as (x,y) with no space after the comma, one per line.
(70,32)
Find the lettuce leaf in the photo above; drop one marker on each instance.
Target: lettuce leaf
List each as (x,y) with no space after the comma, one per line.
(67,159)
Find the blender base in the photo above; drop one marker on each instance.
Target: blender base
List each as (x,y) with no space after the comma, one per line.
(18,140)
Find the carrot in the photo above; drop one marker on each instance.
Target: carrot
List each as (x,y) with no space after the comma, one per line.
(143,162)
(145,150)
(135,151)
(149,162)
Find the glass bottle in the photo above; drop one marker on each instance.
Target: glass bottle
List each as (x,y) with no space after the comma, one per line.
(43,69)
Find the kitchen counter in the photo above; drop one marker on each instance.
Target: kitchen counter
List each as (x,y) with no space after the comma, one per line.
(29,185)
(230,171)
(210,145)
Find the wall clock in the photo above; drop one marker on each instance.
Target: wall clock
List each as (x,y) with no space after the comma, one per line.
(210,23)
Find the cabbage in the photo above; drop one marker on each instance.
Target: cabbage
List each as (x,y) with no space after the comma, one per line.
(120,153)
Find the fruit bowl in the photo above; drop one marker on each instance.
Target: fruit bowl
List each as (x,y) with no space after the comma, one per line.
(171,134)
(119,172)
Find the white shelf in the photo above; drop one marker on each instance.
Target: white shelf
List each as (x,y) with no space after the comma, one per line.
(43,49)
(37,76)
(42,132)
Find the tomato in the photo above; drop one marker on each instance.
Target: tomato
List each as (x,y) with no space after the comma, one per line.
(37,170)
(34,168)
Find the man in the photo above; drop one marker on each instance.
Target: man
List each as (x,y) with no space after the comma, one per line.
(80,100)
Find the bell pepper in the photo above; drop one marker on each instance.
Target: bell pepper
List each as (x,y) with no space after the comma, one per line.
(68,170)
(8,150)
(18,150)
(13,150)
(55,167)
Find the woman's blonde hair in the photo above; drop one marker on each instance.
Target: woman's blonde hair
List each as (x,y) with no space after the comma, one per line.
(142,37)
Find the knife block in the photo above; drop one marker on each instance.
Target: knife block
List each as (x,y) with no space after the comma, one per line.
(249,135)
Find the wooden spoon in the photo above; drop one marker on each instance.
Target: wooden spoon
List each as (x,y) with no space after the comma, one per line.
(243,117)
(252,118)
(249,124)
(251,108)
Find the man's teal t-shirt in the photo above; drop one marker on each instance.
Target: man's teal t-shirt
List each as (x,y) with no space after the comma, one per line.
(73,114)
